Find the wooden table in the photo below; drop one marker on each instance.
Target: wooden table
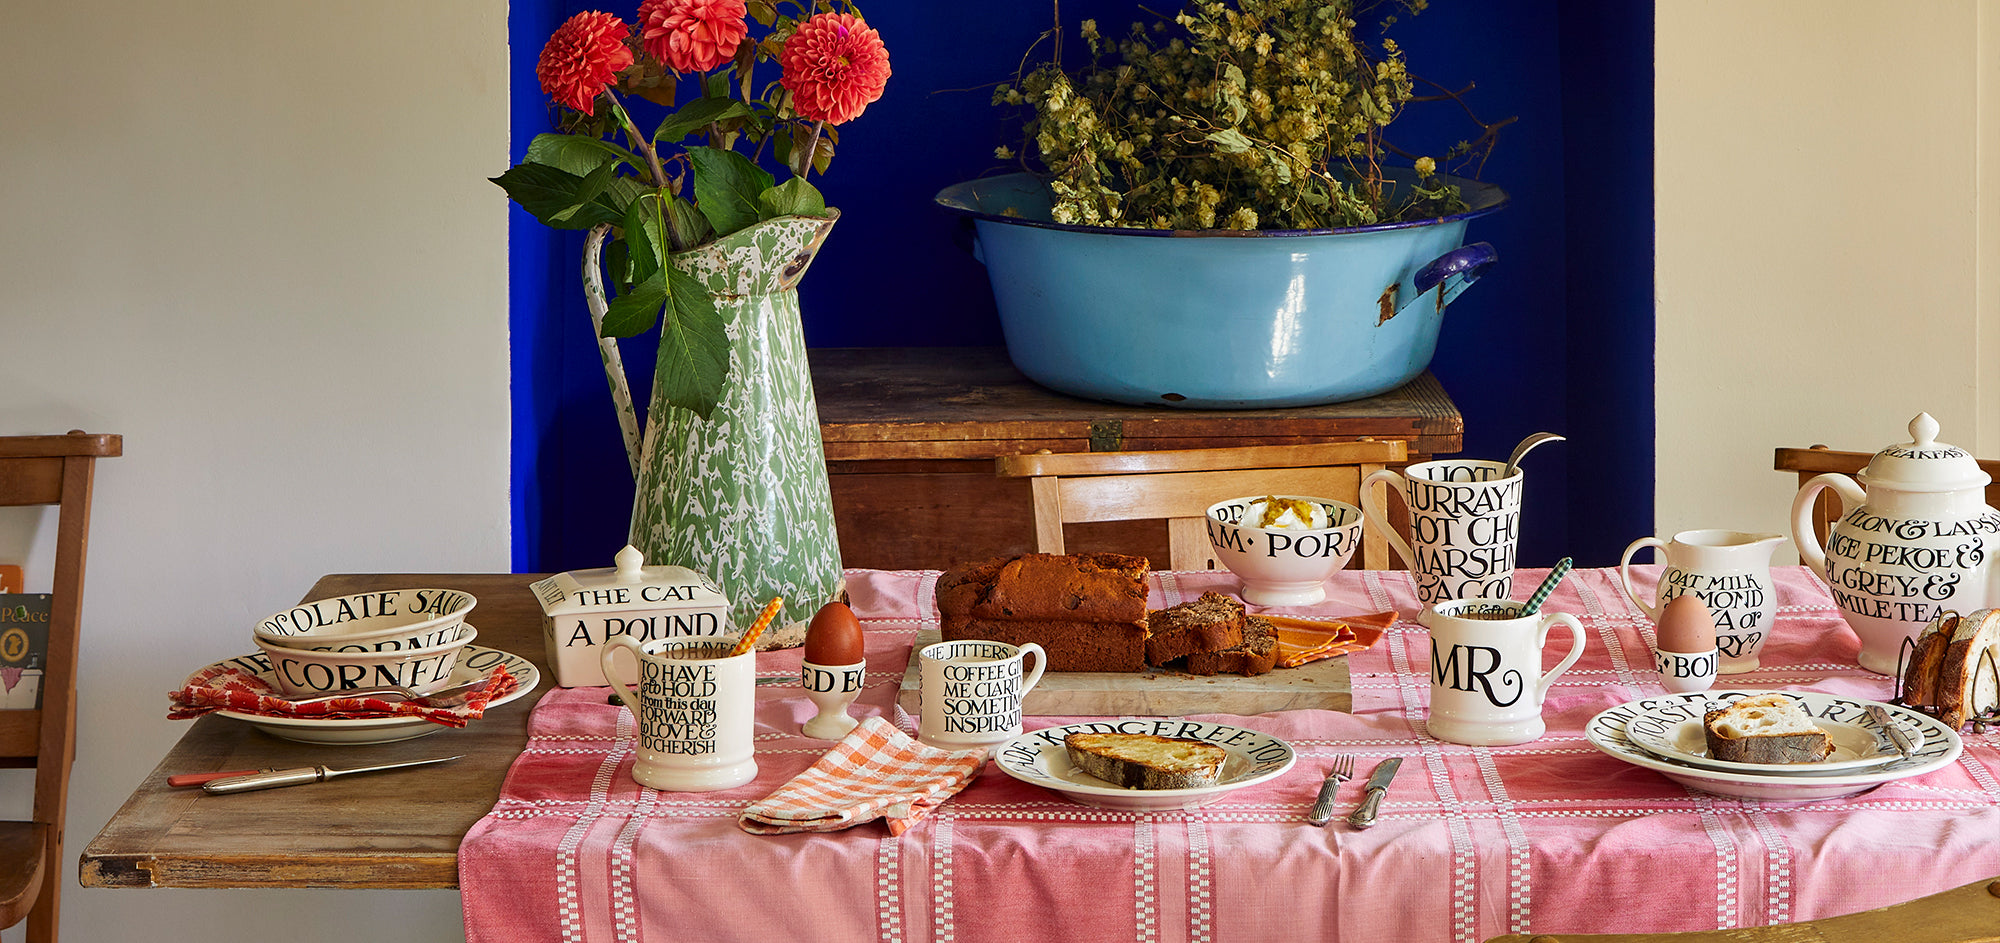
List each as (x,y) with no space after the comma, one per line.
(394,830)
(911,434)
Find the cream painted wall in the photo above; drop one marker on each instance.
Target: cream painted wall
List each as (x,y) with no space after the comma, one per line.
(1825,173)
(256,240)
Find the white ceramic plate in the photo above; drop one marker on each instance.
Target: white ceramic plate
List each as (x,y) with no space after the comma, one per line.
(1038,757)
(1860,743)
(1607,732)
(473,662)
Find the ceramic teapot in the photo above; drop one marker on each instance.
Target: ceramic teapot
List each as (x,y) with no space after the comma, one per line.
(1915,536)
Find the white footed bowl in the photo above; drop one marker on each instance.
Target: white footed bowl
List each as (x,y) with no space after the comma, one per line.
(423,670)
(1283,566)
(385,620)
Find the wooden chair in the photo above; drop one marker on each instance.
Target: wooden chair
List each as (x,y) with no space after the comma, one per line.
(47,470)
(1819,460)
(1179,485)
(1969,914)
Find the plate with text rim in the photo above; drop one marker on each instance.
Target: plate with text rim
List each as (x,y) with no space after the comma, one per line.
(1039,758)
(1607,732)
(473,661)
(1857,744)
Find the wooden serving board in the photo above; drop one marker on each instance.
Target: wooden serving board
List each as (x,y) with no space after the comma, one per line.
(1321,685)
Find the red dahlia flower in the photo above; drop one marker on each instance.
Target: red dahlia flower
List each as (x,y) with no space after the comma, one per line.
(582,58)
(834,66)
(692,35)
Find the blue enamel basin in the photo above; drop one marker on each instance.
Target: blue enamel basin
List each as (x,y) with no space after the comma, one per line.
(1212,319)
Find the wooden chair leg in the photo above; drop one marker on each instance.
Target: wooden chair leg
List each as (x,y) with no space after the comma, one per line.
(1374,548)
(1187,544)
(1047,493)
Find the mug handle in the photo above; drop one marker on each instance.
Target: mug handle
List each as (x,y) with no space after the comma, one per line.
(611,646)
(1625,573)
(1549,621)
(1375,510)
(1041,662)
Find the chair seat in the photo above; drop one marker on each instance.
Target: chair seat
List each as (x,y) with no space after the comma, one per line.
(21,857)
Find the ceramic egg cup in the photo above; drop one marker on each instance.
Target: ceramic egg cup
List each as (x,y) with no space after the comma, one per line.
(1283,566)
(1686,672)
(831,688)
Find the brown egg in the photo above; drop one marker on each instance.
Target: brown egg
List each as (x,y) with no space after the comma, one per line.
(1686,626)
(834,636)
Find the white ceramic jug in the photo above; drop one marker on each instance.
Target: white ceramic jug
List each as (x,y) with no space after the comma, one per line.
(1914,537)
(1730,571)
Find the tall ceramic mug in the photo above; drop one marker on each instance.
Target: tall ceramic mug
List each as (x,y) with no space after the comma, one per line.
(1730,572)
(694,704)
(1465,526)
(1487,682)
(972,692)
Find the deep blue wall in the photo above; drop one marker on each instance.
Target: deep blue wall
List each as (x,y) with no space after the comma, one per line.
(1557,337)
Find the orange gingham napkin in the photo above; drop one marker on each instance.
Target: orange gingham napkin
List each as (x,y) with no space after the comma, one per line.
(876,771)
(1308,640)
(229,686)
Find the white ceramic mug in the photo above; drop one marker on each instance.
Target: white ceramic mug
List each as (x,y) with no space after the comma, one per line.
(1465,526)
(1487,682)
(694,704)
(972,692)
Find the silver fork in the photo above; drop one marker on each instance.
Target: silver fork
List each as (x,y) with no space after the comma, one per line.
(1341,771)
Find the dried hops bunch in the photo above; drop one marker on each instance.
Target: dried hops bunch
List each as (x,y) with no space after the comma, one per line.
(1236,115)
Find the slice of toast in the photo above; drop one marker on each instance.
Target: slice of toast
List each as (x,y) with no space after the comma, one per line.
(1926,667)
(1965,686)
(1768,728)
(1143,761)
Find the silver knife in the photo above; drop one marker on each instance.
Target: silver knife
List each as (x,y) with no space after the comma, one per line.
(301,775)
(1371,798)
(1896,734)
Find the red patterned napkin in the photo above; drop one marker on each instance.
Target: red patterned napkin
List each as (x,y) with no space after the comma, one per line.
(877,771)
(1301,641)
(231,686)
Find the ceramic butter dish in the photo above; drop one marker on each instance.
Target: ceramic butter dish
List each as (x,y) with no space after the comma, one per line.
(582,609)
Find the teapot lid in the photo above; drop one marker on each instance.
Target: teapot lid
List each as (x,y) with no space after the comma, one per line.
(1924,463)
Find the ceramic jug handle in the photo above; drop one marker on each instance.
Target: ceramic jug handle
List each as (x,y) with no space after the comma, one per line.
(1851,496)
(1375,510)
(607,347)
(1625,572)
(611,647)
(1575,649)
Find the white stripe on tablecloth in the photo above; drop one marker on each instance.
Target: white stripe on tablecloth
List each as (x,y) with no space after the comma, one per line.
(1464,861)
(1777,868)
(1145,883)
(1727,908)
(943,927)
(622,886)
(1607,631)
(1520,857)
(1201,893)
(567,898)
(888,889)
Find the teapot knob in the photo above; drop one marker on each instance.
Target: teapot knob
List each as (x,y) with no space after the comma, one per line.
(1923,431)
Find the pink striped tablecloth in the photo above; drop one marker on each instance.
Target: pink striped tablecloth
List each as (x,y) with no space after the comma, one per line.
(1546,837)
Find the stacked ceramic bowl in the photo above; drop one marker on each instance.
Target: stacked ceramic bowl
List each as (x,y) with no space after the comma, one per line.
(406,637)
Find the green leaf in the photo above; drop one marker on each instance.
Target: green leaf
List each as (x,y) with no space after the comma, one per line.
(631,313)
(1229,141)
(645,236)
(550,195)
(575,153)
(687,225)
(794,197)
(726,187)
(693,367)
(696,115)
